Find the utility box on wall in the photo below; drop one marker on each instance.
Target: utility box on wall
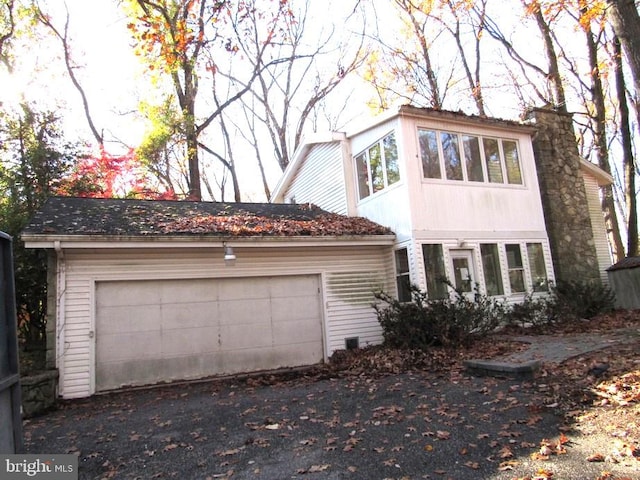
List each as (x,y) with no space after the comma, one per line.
(624,278)
(10,416)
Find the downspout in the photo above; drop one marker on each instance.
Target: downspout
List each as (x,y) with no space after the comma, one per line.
(61,289)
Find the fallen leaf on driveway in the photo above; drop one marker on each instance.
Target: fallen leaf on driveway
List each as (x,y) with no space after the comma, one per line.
(314,469)
(596,457)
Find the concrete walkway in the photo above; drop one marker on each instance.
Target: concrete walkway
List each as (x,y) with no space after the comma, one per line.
(549,349)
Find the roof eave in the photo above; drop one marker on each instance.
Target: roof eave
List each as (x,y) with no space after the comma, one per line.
(198,241)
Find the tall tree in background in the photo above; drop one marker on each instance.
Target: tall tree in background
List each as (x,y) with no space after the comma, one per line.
(33,159)
(183,39)
(7,27)
(315,61)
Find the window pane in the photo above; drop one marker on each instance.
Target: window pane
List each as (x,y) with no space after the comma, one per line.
(461,275)
(492,158)
(375,164)
(516,271)
(510,150)
(391,159)
(537,267)
(435,272)
(451,152)
(363,176)
(491,268)
(472,158)
(402,275)
(429,153)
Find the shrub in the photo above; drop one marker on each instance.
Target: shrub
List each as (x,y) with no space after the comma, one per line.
(584,299)
(423,323)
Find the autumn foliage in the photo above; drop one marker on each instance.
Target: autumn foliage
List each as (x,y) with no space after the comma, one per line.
(110,176)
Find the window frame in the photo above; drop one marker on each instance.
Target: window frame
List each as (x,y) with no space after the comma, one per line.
(363,158)
(520,269)
(403,277)
(441,168)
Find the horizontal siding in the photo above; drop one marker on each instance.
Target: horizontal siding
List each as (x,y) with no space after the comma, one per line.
(349,301)
(598,226)
(349,276)
(320,179)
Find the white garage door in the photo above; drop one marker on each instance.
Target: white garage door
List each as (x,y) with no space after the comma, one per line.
(161,330)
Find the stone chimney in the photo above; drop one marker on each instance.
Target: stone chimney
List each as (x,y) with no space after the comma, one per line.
(564,198)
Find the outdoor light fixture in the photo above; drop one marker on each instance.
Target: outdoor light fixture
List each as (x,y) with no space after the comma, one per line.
(229,256)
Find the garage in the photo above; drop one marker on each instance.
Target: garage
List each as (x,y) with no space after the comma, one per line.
(145,292)
(148,331)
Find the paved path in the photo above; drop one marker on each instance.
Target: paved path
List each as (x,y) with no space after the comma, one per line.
(550,349)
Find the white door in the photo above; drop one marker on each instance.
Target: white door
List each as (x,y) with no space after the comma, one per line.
(161,330)
(464,278)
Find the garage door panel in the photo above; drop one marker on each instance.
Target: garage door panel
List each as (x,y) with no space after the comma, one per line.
(294,331)
(189,329)
(188,290)
(185,341)
(121,294)
(307,307)
(185,315)
(247,311)
(243,289)
(119,319)
(281,287)
(245,336)
(129,346)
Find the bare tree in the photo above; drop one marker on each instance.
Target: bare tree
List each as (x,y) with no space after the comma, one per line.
(63,37)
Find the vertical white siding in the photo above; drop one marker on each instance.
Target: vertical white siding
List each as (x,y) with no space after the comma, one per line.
(349,276)
(320,179)
(598,226)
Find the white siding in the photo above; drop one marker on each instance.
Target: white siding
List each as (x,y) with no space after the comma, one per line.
(320,179)
(347,273)
(598,226)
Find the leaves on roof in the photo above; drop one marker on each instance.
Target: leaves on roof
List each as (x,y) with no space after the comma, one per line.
(326,224)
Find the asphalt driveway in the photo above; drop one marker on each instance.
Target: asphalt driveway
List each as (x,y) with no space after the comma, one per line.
(404,426)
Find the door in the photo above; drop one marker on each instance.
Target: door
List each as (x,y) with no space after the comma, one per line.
(464,278)
(150,331)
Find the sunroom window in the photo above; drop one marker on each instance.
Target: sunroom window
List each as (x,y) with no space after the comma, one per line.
(491,268)
(403,281)
(435,271)
(377,166)
(516,268)
(462,157)
(537,267)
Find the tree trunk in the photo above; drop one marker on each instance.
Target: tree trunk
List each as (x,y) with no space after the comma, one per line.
(553,76)
(599,131)
(625,20)
(628,159)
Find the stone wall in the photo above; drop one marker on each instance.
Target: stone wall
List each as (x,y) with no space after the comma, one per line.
(564,197)
(39,392)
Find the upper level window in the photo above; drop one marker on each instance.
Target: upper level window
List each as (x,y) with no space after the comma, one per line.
(461,157)
(377,167)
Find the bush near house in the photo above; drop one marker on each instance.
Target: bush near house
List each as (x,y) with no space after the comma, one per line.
(458,321)
(423,323)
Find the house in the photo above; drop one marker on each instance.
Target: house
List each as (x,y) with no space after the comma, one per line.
(508,206)
(461,194)
(142,292)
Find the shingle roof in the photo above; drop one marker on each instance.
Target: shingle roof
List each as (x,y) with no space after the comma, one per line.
(124,217)
(629,262)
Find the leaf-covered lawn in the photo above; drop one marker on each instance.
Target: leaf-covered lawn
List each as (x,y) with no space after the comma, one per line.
(374,414)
